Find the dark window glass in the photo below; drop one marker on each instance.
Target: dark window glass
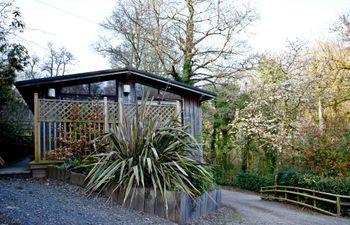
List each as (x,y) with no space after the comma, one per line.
(143,90)
(166,95)
(82,89)
(103,88)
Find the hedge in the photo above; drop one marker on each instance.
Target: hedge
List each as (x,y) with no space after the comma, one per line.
(252,181)
(308,179)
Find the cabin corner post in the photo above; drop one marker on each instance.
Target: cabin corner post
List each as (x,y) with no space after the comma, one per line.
(105,112)
(36,128)
(179,112)
(121,111)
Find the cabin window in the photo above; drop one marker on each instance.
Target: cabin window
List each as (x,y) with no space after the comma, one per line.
(108,88)
(82,89)
(169,96)
(142,90)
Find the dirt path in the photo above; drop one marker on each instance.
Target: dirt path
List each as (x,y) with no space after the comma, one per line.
(249,209)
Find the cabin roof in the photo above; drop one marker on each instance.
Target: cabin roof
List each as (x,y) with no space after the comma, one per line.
(27,88)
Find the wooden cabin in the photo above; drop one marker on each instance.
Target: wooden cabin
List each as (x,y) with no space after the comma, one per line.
(93,99)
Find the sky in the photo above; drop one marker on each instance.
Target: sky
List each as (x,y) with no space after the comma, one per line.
(74,24)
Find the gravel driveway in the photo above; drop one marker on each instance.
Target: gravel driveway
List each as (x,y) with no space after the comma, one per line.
(28,202)
(249,209)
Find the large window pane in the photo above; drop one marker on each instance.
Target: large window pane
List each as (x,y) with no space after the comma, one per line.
(142,90)
(82,89)
(103,88)
(166,95)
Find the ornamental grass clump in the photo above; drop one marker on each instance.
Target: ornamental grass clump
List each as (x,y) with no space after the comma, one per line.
(144,152)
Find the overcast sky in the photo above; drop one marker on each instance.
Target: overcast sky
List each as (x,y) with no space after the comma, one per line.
(74,25)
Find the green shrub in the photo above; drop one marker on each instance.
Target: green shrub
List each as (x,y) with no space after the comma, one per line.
(224,176)
(252,181)
(311,180)
(337,185)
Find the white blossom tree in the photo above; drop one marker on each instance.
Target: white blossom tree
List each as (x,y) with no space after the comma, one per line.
(273,117)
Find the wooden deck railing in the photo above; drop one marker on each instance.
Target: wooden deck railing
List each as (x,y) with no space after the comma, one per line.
(328,203)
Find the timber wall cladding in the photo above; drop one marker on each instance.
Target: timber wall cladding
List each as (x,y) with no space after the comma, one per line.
(181,207)
(66,119)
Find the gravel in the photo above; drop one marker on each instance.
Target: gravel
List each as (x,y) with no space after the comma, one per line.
(28,201)
(51,202)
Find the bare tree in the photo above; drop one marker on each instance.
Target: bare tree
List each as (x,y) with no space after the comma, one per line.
(32,69)
(57,61)
(342,27)
(192,40)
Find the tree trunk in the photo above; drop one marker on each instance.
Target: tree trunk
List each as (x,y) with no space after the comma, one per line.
(245,155)
(213,141)
(320,115)
(188,55)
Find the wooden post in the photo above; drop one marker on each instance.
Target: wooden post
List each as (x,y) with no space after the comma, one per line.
(314,200)
(285,193)
(36,128)
(298,197)
(338,206)
(105,112)
(121,111)
(178,112)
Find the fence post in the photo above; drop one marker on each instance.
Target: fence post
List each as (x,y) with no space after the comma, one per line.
(285,193)
(338,206)
(314,200)
(105,112)
(298,197)
(36,128)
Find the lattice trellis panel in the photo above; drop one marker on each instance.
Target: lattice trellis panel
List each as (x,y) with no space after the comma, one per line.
(63,121)
(163,112)
(113,112)
(70,111)
(129,111)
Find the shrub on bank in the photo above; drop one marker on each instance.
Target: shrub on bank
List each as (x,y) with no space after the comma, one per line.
(308,179)
(252,181)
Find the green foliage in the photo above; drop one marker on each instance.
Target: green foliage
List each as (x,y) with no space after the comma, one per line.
(13,56)
(311,180)
(244,180)
(253,181)
(80,165)
(224,176)
(145,153)
(217,116)
(270,70)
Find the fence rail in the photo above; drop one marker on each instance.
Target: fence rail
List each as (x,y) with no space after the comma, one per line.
(317,200)
(57,122)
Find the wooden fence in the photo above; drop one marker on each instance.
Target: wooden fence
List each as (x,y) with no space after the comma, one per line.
(57,122)
(328,203)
